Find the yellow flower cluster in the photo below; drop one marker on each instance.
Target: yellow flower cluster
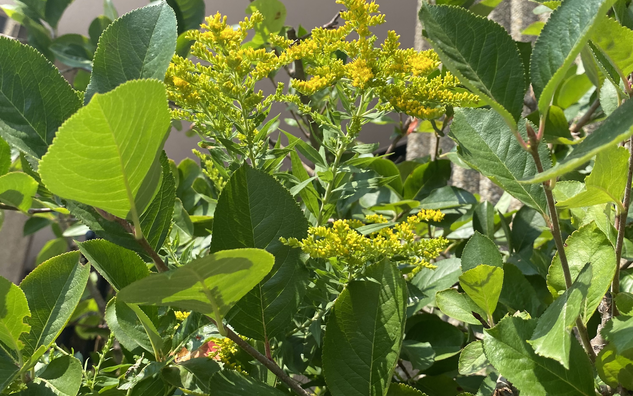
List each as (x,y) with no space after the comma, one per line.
(399,243)
(181,316)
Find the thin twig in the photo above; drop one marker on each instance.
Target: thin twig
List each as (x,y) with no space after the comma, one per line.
(585,118)
(158,261)
(330,25)
(30,211)
(621,226)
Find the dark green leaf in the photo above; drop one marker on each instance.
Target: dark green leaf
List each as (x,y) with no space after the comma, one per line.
(426,178)
(97,26)
(484,219)
(232,383)
(480,250)
(189,13)
(445,338)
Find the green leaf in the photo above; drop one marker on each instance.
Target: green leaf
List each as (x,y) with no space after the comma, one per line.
(73,50)
(138,45)
(615,42)
(53,290)
(615,129)
(472,359)
(403,390)
(12,326)
(426,178)
(232,383)
(156,219)
(560,43)
(210,285)
(485,7)
(386,168)
(480,250)
(487,144)
(258,211)
(587,245)
(447,197)
(364,333)
(420,354)
(446,339)
(534,375)
(430,281)
(107,155)
(17,189)
(96,28)
(607,180)
(517,293)
(614,368)
(572,90)
(52,248)
(34,98)
(552,336)
(8,370)
(119,266)
(619,332)
(483,284)
(61,377)
(309,194)
(460,38)
(484,219)
(5,157)
(54,11)
(534,29)
(109,10)
(458,306)
(274,13)
(127,327)
(189,13)
(624,303)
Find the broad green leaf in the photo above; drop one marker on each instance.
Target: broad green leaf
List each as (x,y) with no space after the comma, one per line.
(232,383)
(430,281)
(483,285)
(426,178)
(615,42)
(607,180)
(552,336)
(61,377)
(615,129)
(587,245)
(52,248)
(572,90)
(150,329)
(127,327)
(610,97)
(534,29)
(480,250)
(487,144)
(202,369)
(34,98)
(73,50)
(109,10)
(619,332)
(420,354)
(534,375)
(210,285)
(107,155)
(364,333)
(96,28)
(386,168)
(472,359)
(447,197)
(12,326)
(458,306)
(5,157)
(156,219)
(189,13)
(8,370)
(527,226)
(119,266)
(258,211)
(17,189)
(615,368)
(517,293)
(624,303)
(140,44)
(560,43)
(403,390)
(274,13)
(53,290)
(54,11)
(484,219)
(446,339)
(481,54)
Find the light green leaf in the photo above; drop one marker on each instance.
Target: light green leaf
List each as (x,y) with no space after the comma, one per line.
(572,90)
(614,368)
(52,248)
(119,266)
(480,250)
(610,97)
(460,38)
(258,211)
(107,155)
(587,245)
(156,219)
(534,375)
(17,189)
(619,332)
(472,359)
(615,41)
(34,98)
(274,13)
(615,129)
(364,333)
(458,306)
(552,336)
(189,13)
(447,197)
(5,157)
(53,290)
(560,43)
(61,377)
(483,284)
(607,180)
(210,285)
(487,144)
(12,326)
(534,29)
(151,331)
(140,44)
(485,7)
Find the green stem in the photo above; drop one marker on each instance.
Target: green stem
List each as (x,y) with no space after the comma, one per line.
(330,186)
(621,227)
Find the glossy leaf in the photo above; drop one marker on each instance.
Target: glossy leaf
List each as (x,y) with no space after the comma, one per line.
(119,266)
(53,290)
(34,98)
(517,293)
(258,211)
(364,333)
(483,285)
(487,144)
(140,44)
(17,189)
(210,285)
(562,38)
(514,358)
(480,250)
(469,46)
(587,245)
(458,306)
(107,155)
